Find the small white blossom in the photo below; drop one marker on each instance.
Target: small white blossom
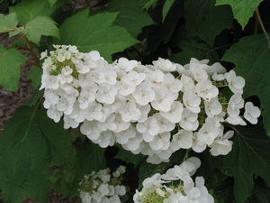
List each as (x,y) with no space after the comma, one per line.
(252,113)
(144,94)
(189,120)
(182,140)
(222,145)
(213,107)
(197,70)
(175,113)
(236,83)
(206,90)
(192,101)
(236,103)
(164,65)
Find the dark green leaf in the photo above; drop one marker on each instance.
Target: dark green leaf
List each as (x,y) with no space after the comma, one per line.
(62,153)
(131,15)
(205,20)
(24,159)
(129,157)
(194,49)
(250,156)
(251,56)
(35,76)
(98,33)
(223,191)
(89,157)
(261,192)
(30,144)
(10,68)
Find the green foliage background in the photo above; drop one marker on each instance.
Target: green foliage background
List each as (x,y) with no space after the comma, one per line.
(38,156)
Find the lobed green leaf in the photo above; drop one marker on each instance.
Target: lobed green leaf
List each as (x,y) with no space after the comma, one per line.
(27,10)
(11,61)
(98,33)
(131,15)
(8,22)
(250,157)
(242,9)
(251,56)
(209,21)
(40,26)
(31,142)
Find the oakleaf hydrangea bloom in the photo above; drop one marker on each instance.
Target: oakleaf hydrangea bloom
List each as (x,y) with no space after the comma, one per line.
(175,186)
(153,109)
(103,186)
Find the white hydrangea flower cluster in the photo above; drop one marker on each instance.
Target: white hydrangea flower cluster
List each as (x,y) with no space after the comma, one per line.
(102,186)
(150,109)
(175,186)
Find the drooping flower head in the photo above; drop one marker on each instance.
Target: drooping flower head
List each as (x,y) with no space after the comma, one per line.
(153,109)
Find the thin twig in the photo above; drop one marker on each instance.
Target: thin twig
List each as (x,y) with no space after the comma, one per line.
(186,155)
(262,26)
(30,47)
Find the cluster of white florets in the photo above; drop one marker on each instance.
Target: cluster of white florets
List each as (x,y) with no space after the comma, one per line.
(175,186)
(150,109)
(103,187)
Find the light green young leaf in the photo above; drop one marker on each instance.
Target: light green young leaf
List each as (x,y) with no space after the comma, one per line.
(209,21)
(166,7)
(8,22)
(52,2)
(10,68)
(31,142)
(242,9)
(40,26)
(130,15)
(149,3)
(98,33)
(251,57)
(29,9)
(250,157)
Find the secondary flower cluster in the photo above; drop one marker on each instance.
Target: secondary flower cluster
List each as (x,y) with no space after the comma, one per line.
(175,186)
(103,187)
(150,109)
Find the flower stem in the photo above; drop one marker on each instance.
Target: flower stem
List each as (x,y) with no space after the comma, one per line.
(262,26)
